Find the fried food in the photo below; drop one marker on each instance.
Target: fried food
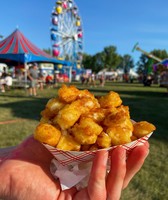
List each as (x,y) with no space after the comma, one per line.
(112,99)
(118,119)
(67,116)
(143,128)
(47,114)
(119,135)
(54,105)
(68,94)
(103,140)
(86,104)
(86,131)
(76,120)
(51,109)
(97,115)
(68,143)
(86,94)
(125,109)
(47,133)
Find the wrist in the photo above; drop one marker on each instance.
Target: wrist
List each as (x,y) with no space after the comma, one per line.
(5,152)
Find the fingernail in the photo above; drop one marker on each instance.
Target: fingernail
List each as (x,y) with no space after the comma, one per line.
(140,144)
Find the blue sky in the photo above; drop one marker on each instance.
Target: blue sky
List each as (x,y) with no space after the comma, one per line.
(121,23)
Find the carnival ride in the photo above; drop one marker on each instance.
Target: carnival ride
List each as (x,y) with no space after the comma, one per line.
(161,66)
(136,47)
(67,34)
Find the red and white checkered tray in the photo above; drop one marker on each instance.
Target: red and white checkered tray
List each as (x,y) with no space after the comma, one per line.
(76,157)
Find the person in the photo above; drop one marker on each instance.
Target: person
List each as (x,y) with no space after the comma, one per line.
(41,80)
(25,173)
(102,80)
(2,84)
(33,78)
(147,80)
(93,80)
(82,79)
(49,80)
(56,78)
(2,80)
(8,80)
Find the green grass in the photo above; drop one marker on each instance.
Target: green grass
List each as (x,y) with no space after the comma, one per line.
(146,103)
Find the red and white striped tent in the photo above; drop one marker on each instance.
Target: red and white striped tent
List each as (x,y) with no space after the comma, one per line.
(16,48)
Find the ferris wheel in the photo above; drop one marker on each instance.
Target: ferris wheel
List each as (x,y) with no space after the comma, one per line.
(66,32)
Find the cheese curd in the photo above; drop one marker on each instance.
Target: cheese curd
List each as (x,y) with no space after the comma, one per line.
(76,120)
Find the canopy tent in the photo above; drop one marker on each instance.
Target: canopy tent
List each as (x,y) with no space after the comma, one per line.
(164,62)
(16,48)
(161,66)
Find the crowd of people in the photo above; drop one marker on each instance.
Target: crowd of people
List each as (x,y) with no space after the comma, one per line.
(36,78)
(33,79)
(90,79)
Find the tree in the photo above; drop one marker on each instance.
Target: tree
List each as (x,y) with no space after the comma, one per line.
(142,64)
(107,59)
(98,62)
(111,58)
(87,61)
(162,54)
(93,62)
(126,63)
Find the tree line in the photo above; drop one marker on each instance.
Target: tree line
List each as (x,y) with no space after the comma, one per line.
(109,59)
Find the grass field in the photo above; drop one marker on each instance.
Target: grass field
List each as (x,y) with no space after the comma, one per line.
(146,103)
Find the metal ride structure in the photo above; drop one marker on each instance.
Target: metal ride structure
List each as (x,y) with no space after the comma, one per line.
(136,47)
(161,64)
(67,34)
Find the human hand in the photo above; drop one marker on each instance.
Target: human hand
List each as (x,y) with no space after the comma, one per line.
(25,174)
(122,171)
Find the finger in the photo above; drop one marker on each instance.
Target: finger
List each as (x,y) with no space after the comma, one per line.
(116,175)
(146,144)
(135,161)
(97,183)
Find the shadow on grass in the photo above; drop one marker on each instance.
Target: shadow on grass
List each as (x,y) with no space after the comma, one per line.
(12,96)
(138,85)
(27,108)
(140,94)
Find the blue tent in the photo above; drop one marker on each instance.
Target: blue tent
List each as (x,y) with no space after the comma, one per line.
(164,62)
(16,48)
